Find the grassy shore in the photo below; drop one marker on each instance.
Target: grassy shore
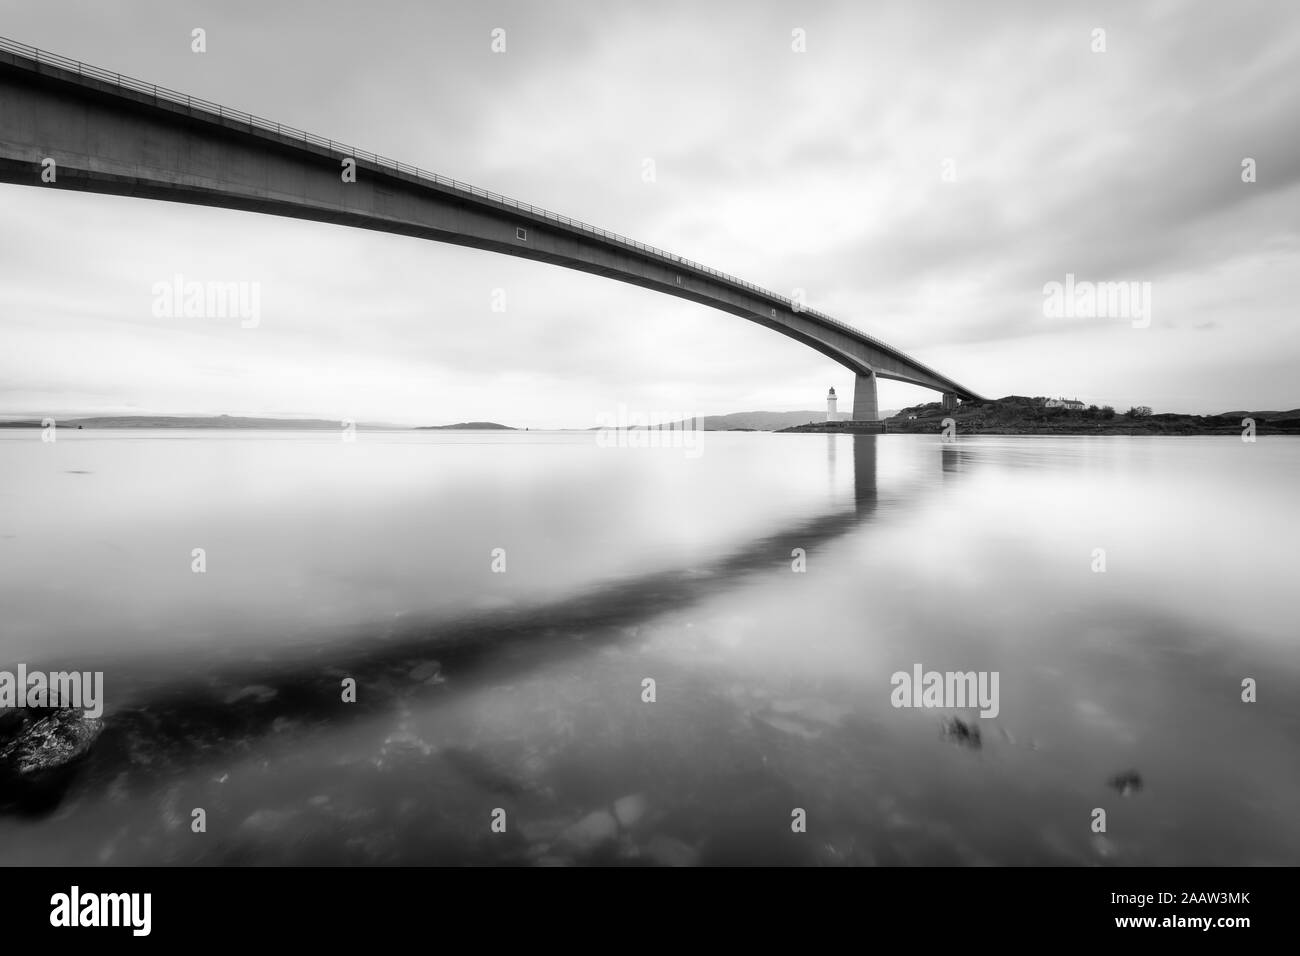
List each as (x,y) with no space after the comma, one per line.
(1020,415)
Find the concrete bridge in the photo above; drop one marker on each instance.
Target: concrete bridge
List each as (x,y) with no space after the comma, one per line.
(108,133)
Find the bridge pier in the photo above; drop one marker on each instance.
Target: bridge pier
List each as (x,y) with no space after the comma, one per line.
(865,408)
(949,401)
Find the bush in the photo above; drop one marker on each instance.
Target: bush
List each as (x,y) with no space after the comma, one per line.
(1107,412)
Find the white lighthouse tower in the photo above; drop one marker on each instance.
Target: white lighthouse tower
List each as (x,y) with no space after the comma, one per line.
(830,406)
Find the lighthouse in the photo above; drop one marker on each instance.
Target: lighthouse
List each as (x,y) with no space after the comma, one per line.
(830,405)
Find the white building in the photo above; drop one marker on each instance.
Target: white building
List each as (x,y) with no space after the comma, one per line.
(831,416)
(1073,404)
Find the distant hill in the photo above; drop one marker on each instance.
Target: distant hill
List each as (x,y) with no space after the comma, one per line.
(470,426)
(185,421)
(1271,416)
(757,421)
(225,421)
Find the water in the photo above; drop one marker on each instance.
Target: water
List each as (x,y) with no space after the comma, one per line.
(371,560)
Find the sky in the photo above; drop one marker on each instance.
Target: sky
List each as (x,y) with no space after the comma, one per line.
(922,170)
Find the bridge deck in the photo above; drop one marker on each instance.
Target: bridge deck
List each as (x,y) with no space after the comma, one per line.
(23,56)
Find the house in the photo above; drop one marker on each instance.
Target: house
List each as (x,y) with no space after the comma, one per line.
(1073,404)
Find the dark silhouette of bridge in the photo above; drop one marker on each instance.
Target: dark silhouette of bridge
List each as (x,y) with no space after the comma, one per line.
(108,133)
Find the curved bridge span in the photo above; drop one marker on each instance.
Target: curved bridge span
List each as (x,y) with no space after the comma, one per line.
(111,134)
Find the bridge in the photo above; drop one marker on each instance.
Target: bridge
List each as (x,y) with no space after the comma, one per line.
(111,134)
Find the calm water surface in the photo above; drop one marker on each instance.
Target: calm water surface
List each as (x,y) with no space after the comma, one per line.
(522,691)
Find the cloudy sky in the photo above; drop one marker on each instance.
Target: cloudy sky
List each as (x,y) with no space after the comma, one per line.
(922,171)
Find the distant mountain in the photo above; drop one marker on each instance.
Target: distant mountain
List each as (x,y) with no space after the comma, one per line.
(226,421)
(759,421)
(185,421)
(762,421)
(747,421)
(470,426)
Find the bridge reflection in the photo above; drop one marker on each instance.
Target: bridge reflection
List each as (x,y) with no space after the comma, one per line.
(173,726)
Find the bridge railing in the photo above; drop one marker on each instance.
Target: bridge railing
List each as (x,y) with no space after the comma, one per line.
(192,103)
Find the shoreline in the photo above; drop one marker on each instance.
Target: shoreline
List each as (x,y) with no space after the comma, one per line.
(966,428)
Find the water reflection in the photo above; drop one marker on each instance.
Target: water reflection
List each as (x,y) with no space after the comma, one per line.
(864,474)
(172,726)
(771,683)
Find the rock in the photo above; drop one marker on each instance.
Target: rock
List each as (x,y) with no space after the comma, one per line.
(1128,782)
(591,831)
(669,851)
(628,810)
(960,732)
(427,671)
(49,742)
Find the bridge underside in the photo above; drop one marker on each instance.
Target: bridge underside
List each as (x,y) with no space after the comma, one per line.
(107,139)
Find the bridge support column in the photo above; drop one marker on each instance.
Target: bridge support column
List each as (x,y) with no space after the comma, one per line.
(865,408)
(949,401)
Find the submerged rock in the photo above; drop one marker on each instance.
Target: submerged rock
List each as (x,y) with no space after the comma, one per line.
(48,742)
(960,732)
(1128,782)
(427,672)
